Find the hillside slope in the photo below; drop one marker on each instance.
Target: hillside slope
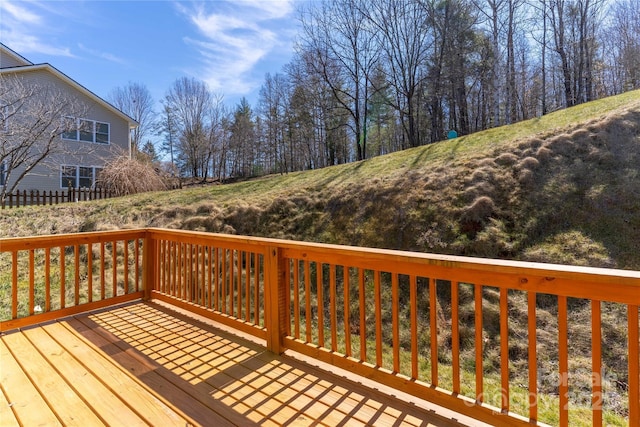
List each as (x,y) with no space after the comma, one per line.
(563,188)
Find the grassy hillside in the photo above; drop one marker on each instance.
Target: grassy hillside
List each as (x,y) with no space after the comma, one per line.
(562,188)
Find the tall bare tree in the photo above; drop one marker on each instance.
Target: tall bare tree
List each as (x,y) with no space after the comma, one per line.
(189,102)
(404,37)
(136,101)
(32,119)
(624,36)
(342,39)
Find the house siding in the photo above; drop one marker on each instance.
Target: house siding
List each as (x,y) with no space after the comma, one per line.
(8,60)
(46,176)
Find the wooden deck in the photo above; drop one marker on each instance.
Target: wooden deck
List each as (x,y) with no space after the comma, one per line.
(144,364)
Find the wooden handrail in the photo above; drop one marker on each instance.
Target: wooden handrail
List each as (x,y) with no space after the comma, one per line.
(418,322)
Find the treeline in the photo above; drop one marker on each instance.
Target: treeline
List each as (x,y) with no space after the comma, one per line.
(373,77)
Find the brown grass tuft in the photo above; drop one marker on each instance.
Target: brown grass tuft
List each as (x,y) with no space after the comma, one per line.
(479,210)
(506,159)
(530,163)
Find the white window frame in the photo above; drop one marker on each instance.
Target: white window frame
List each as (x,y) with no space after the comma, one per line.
(94,131)
(77,177)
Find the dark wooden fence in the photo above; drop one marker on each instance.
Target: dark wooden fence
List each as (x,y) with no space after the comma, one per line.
(38,198)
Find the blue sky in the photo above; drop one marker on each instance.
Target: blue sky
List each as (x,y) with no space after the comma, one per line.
(230,45)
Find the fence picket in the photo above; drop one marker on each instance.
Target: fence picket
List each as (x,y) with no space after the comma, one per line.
(37,197)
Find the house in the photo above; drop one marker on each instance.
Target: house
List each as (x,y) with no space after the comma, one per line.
(82,134)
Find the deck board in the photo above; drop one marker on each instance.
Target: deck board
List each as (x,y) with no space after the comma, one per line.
(142,363)
(109,407)
(24,399)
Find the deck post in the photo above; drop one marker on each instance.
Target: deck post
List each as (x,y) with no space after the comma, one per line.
(149,265)
(275,299)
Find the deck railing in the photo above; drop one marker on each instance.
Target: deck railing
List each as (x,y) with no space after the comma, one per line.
(505,342)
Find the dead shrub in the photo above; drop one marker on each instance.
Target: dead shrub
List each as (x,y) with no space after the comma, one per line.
(124,176)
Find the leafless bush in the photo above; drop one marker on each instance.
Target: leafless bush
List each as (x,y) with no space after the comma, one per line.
(125,175)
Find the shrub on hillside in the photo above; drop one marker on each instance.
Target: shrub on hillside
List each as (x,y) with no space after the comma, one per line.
(125,175)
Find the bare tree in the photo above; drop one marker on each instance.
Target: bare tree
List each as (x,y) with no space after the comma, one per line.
(189,102)
(135,100)
(342,40)
(166,126)
(32,119)
(622,39)
(405,39)
(273,110)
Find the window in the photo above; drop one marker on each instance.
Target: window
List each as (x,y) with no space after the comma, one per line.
(102,133)
(71,125)
(85,177)
(68,177)
(3,174)
(78,176)
(96,176)
(87,131)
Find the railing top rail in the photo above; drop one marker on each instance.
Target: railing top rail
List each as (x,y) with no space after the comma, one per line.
(321,250)
(353,256)
(54,240)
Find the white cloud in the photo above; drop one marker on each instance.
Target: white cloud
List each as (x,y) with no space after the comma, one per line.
(104,55)
(19,28)
(25,44)
(18,13)
(236,35)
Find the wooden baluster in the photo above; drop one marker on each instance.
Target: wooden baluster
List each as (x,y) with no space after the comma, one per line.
(378,317)
(504,348)
(320,287)
(395,322)
(307,300)
(31,281)
(479,342)
(433,330)
(14,284)
(455,335)
(596,363)
(634,365)
(346,318)
(533,358)
(296,300)
(47,279)
(363,315)
(563,360)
